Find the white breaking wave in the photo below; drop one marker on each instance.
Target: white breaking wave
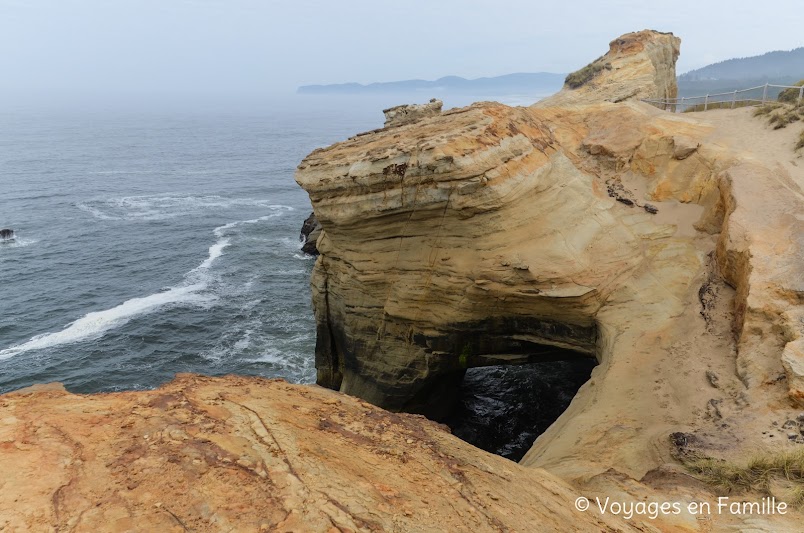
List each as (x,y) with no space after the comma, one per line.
(158,207)
(215,251)
(270,355)
(17,243)
(223,230)
(95,212)
(95,324)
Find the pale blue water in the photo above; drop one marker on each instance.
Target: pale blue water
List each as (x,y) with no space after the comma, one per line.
(152,243)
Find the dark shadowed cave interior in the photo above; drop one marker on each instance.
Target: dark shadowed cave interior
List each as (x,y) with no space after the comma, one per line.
(502,409)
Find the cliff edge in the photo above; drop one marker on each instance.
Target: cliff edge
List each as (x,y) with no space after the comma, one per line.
(248,454)
(638,65)
(589,225)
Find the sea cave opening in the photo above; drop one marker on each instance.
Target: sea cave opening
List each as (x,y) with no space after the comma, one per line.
(503,408)
(515,377)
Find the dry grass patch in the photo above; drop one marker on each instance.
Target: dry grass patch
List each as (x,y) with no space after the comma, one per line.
(790,96)
(788,109)
(761,474)
(583,76)
(780,115)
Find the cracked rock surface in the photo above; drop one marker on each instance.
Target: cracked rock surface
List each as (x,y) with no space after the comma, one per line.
(668,246)
(248,454)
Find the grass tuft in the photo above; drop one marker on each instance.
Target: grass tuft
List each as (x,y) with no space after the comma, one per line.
(756,476)
(790,96)
(583,76)
(800,143)
(787,110)
(766,109)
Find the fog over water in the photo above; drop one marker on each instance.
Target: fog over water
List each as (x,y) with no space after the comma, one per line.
(214,53)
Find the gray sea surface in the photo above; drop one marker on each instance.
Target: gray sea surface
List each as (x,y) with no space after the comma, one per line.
(151,241)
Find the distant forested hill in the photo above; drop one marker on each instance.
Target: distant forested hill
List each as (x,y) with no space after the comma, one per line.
(778,64)
(779,67)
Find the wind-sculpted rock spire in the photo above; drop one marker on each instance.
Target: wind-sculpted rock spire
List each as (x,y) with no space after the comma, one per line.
(638,65)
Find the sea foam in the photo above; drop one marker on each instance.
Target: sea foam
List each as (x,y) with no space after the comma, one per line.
(95,324)
(165,207)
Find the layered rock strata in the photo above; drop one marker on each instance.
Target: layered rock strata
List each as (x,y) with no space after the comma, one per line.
(638,65)
(491,235)
(410,113)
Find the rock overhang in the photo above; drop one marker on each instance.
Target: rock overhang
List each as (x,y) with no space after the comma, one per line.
(597,216)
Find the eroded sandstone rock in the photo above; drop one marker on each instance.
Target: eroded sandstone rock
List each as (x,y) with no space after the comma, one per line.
(638,65)
(410,113)
(248,454)
(615,230)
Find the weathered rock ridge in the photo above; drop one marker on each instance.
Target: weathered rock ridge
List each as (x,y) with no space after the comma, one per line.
(578,227)
(638,65)
(247,454)
(410,113)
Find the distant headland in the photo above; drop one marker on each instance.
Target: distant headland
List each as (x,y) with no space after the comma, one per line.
(780,67)
(507,84)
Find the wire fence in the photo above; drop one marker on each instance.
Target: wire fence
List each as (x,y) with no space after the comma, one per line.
(753,96)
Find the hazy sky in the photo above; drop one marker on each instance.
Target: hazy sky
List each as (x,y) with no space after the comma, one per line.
(272,46)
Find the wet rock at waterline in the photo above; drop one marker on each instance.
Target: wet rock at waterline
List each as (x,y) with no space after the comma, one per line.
(6,234)
(310,232)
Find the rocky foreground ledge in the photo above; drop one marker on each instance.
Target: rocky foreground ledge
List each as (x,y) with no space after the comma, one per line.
(248,454)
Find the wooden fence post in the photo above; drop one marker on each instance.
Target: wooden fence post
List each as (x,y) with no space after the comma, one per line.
(801,93)
(733,99)
(706,102)
(765,94)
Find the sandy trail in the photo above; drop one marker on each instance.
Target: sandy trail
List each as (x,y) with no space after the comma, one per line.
(739,130)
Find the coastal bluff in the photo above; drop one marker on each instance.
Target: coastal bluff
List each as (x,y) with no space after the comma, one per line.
(589,225)
(667,248)
(638,65)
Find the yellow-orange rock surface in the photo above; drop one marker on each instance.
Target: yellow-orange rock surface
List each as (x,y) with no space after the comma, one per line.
(638,65)
(247,454)
(667,246)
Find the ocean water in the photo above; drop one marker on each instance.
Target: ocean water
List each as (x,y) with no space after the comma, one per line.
(152,242)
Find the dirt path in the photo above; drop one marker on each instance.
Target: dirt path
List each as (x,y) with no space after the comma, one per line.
(740,130)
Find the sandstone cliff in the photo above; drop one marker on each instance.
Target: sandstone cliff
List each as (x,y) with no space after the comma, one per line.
(638,65)
(669,248)
(578,227)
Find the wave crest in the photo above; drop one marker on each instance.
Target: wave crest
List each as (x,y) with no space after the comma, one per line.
(163,207)
(191,291)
